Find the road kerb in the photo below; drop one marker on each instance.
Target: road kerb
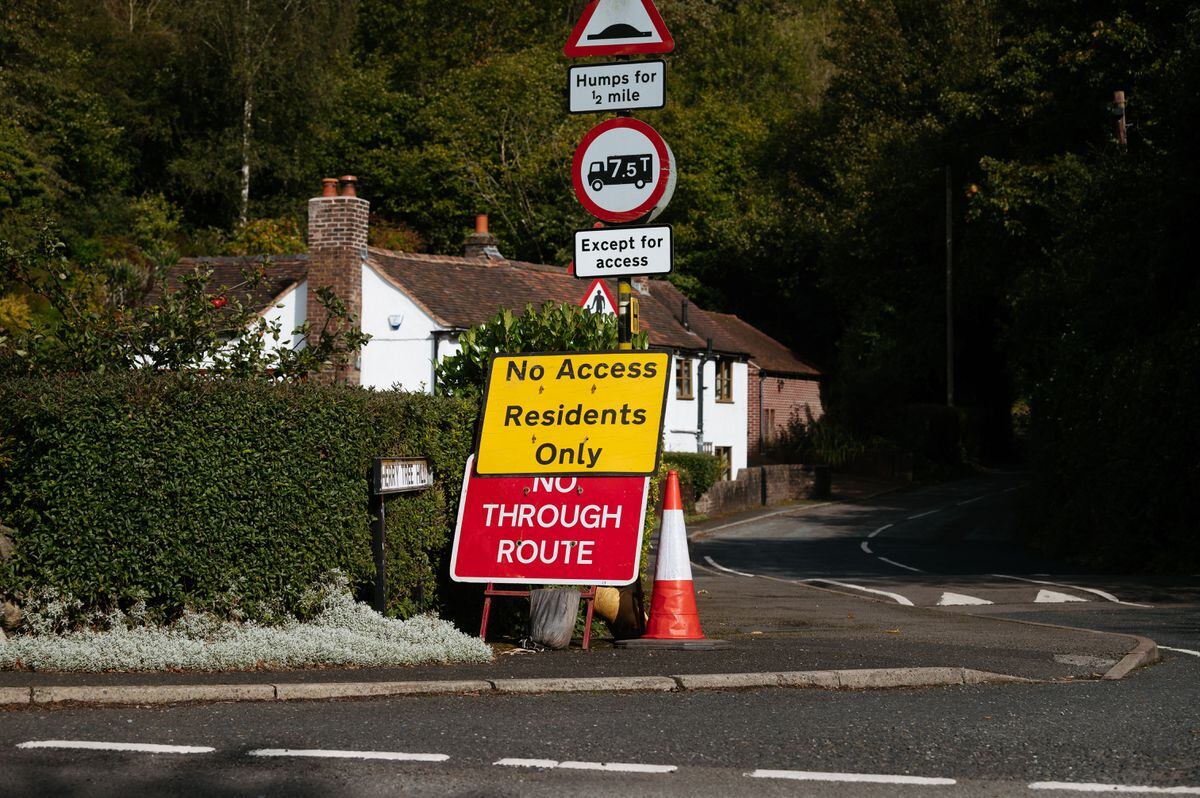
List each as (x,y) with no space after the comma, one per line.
(875,678)
(1144,653)
(154,694)
(10,696)
(586,684)
(722,681)
(313,690)
(827,680)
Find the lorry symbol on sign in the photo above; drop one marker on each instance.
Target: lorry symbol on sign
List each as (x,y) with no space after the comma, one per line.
(619,170)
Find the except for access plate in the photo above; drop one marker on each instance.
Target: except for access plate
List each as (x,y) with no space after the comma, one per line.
(624,251)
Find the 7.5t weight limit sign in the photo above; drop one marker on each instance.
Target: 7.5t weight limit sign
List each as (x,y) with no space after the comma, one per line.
(623,171)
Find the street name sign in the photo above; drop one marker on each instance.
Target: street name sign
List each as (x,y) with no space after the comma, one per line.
(616,87)
(623,171)
(549,530)
(619,27)
(623,251)
(573,414)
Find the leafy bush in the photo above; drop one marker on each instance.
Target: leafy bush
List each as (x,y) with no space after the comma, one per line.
(695,468)
(550,328)
(824,441)
(218,494)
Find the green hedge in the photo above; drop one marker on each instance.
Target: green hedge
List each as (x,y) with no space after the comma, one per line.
(701,470)
(202,492)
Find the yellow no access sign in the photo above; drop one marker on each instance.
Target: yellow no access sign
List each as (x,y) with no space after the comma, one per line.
(593,413)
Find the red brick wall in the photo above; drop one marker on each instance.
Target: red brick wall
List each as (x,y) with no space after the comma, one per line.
(337,247)
(787,396)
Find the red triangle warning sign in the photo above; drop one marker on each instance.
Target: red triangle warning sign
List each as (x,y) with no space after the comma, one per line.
(619,27)
(599,299)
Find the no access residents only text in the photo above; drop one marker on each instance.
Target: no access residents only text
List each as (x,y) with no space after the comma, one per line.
(572,406)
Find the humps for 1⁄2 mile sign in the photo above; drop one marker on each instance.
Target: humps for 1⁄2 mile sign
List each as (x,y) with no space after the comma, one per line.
(593,413)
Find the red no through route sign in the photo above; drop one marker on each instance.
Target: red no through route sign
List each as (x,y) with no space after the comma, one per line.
(549,530)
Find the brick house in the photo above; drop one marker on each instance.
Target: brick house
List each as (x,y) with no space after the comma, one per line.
(415,306)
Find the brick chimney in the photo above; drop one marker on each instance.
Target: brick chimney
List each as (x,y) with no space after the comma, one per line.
(337,249)
(481,243)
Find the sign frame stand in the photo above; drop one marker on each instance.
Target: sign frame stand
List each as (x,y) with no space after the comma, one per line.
(587,595)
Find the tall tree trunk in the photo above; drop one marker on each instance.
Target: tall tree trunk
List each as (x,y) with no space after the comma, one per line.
(247,122)
(247,114)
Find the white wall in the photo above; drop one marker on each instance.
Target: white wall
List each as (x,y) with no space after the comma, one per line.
(725,423)
(401,357)
(290,311)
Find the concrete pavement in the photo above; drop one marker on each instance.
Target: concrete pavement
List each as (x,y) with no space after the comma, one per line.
(786,634)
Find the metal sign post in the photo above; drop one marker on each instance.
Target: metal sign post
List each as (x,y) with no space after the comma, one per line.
(391,475)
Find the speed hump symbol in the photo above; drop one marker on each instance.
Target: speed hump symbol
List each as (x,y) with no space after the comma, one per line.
(623,171)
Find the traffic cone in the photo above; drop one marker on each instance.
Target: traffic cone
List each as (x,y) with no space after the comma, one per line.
(674,620)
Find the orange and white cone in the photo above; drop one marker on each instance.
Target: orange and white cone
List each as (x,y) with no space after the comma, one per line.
(674,621)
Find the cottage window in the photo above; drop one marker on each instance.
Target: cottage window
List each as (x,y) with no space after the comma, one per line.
(725,456)
(724,380)
(683,378)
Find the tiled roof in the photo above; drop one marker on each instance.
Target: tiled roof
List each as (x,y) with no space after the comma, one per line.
(768,354)
(463,292)
(227,277)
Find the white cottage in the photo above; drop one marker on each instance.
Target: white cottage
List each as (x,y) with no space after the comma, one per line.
(414,306)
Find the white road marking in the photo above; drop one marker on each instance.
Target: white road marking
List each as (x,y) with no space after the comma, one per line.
(610,767)
(527,763)
(972,501)
(1094,591)
(894,596)
(1054,597)
(922,515)
(145,748)
(720,567)
(1125,788)
(866,548)
(877,531)
(321,754)
(901,565)
(1181,650)
(617,767)
(1016,487)
(873,778)
(959,599)
(801,509)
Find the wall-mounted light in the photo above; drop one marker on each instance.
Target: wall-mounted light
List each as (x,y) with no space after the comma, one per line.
(395,320)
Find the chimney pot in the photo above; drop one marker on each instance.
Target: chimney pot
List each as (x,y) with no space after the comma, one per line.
(481,224)
(329,187)
(348,186)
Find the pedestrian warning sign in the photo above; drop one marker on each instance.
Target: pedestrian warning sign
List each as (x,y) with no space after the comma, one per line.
(587,413)
(619,27)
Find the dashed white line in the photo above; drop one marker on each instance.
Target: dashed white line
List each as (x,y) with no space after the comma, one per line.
(1015,487)
(882,528)
(318,753)
(92,745)
(800,509)
(1122,788)
(608,767)
(872,778)
(617,767)
(1094,591)
(959,600)
(922,515)
(1054,597)
(901,565)
(972,501)
(527,763)
(893,596)
(720,567)
(1181,650)
(866,548)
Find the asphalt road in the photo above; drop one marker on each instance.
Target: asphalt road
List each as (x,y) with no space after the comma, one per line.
(995,740)
(1141,734)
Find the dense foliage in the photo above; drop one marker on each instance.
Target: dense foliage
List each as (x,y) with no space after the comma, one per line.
(219,494)
(696,469)
(813,138)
